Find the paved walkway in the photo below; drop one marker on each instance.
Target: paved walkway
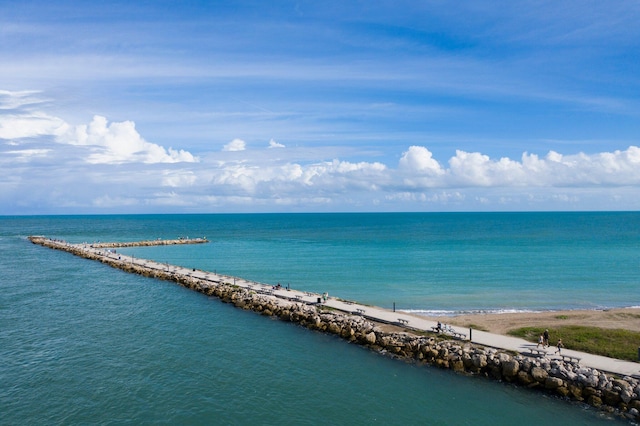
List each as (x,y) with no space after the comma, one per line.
(623,368)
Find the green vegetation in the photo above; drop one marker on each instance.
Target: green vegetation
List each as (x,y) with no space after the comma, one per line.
(476,327)
(613,343)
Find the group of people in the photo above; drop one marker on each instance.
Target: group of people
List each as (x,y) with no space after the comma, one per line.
(279,287)
(544,341)
(443,328)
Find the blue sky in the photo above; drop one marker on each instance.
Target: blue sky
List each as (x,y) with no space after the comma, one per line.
(250,106)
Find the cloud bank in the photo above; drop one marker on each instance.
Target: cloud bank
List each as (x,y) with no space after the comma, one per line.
(49,165)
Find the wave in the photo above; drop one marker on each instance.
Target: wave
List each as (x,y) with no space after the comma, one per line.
(454,313)
(459,312)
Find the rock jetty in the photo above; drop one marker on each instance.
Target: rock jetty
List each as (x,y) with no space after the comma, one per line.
(150,243)
(616,395)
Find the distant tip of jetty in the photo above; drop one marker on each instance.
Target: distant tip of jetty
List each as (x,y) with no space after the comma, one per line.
(145,243)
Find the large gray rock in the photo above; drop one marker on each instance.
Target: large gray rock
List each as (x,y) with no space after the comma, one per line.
(510,368)
(479,360)
(588,380)
(539,374)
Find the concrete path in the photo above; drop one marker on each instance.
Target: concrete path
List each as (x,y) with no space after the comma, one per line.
(622,368)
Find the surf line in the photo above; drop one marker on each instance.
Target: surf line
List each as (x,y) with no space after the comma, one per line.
(387,332)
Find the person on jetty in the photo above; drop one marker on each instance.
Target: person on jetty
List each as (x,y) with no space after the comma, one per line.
(325,296)
(559,345)
(545,335)
(540,341)
(439,327)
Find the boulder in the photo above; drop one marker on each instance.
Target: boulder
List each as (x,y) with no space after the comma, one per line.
(539,374)
(553,383)
(479,361)
(594,401)
(611,397)
(510,368)
(371,338)
(588,380)
(525,378)
(576,391)
(622,384)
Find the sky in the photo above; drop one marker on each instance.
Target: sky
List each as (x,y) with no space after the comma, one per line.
(304,106)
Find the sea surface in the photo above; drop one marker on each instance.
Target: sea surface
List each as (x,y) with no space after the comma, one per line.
(83,343)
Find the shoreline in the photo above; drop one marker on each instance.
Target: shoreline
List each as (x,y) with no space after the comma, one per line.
(501,323)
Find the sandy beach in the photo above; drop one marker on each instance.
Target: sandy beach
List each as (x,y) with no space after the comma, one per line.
(627,318)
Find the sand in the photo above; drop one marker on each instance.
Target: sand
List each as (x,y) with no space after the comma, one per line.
(627,319)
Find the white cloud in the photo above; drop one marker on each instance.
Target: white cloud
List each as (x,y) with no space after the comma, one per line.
(235,145)
(19,117)
(580,170)
(419,160)
(15,126)
(24,155)
(38,146)
(179,178)
(118,143)
(274,144)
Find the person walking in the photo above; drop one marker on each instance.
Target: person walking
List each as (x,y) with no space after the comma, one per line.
(546,338)
(560,346)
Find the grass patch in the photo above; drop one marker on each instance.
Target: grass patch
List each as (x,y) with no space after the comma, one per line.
(477,327)
(613,343)
(562,317)
(627,315)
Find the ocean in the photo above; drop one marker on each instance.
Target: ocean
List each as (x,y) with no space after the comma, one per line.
(83,343)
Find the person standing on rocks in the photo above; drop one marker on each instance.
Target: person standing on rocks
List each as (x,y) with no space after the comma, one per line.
(546,338)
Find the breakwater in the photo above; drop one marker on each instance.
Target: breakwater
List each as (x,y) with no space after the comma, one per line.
(553,376)
(149,243)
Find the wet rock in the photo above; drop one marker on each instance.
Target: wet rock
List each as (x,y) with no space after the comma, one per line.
(553,383)
(575,391)
(594,401)
(611,397)
(525,378)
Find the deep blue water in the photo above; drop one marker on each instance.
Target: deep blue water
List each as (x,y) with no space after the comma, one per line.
(81,342)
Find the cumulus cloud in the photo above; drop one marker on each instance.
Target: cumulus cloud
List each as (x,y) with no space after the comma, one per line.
(37,147)
(274,144)
(607,168)
(419,160)
(235,145)
(21,118)
(117,143)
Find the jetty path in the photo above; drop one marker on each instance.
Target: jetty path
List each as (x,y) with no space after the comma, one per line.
(101,252)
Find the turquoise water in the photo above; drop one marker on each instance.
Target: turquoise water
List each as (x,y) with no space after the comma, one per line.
(83,343)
